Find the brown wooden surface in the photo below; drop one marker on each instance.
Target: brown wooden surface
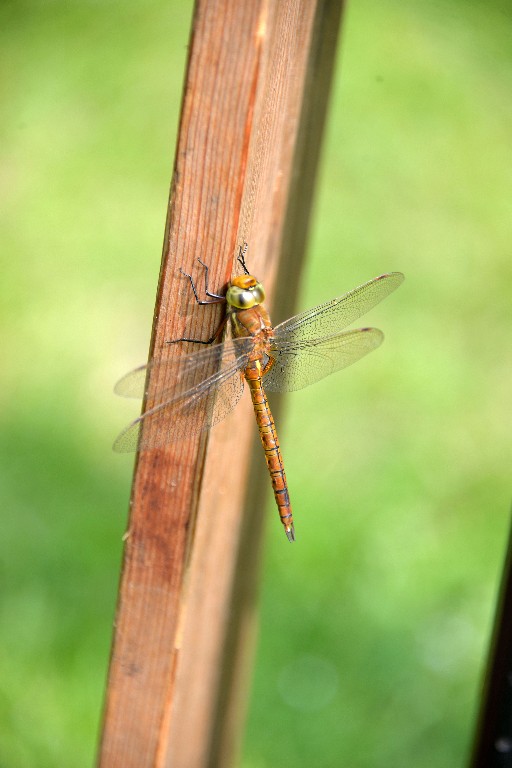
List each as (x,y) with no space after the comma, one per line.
(244,171)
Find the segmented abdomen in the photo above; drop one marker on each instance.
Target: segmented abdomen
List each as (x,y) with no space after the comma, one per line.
(270,444)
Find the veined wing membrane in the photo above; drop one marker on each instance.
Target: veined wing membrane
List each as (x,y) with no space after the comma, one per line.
(299,363)
(335,315)
(192,395)
(173,376)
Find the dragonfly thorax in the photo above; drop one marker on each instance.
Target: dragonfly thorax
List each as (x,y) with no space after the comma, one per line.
(245,292)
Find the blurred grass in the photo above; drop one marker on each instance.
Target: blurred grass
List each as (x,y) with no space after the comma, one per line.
(374,626)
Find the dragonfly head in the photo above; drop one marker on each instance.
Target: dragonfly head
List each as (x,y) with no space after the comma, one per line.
(245,292)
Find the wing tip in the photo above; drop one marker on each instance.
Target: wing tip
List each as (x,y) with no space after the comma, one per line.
(399,277)
(127,441)
(374,331)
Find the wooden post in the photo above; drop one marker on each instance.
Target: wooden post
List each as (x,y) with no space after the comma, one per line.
(254,103)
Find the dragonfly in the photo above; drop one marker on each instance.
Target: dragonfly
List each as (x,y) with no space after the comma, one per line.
(195,391)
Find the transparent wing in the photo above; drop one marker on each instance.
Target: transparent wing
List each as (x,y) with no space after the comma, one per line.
(300,363)
(335,315)
(133,384)
(168,379)
(185,396)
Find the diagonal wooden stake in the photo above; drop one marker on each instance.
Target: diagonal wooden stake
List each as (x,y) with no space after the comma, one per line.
(254,104)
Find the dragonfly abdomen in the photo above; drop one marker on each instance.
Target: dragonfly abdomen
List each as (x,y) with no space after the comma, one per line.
(270,442)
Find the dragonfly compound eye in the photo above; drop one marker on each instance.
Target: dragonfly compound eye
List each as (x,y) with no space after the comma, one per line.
(258,293)
(241,298)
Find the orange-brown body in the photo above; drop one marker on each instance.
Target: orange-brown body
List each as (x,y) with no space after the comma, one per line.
(255,322)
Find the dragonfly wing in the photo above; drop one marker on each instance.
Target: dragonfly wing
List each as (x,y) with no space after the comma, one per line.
(187,411)
(300,363)
(133,384)
(170,377)
(335,315)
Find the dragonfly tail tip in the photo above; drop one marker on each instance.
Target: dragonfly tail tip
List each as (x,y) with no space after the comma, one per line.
(290,533)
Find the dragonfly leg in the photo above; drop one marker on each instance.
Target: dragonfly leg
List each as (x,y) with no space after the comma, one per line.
(241,258)
(201,341)
(216,298)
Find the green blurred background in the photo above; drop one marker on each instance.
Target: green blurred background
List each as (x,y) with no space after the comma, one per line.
(374,626)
